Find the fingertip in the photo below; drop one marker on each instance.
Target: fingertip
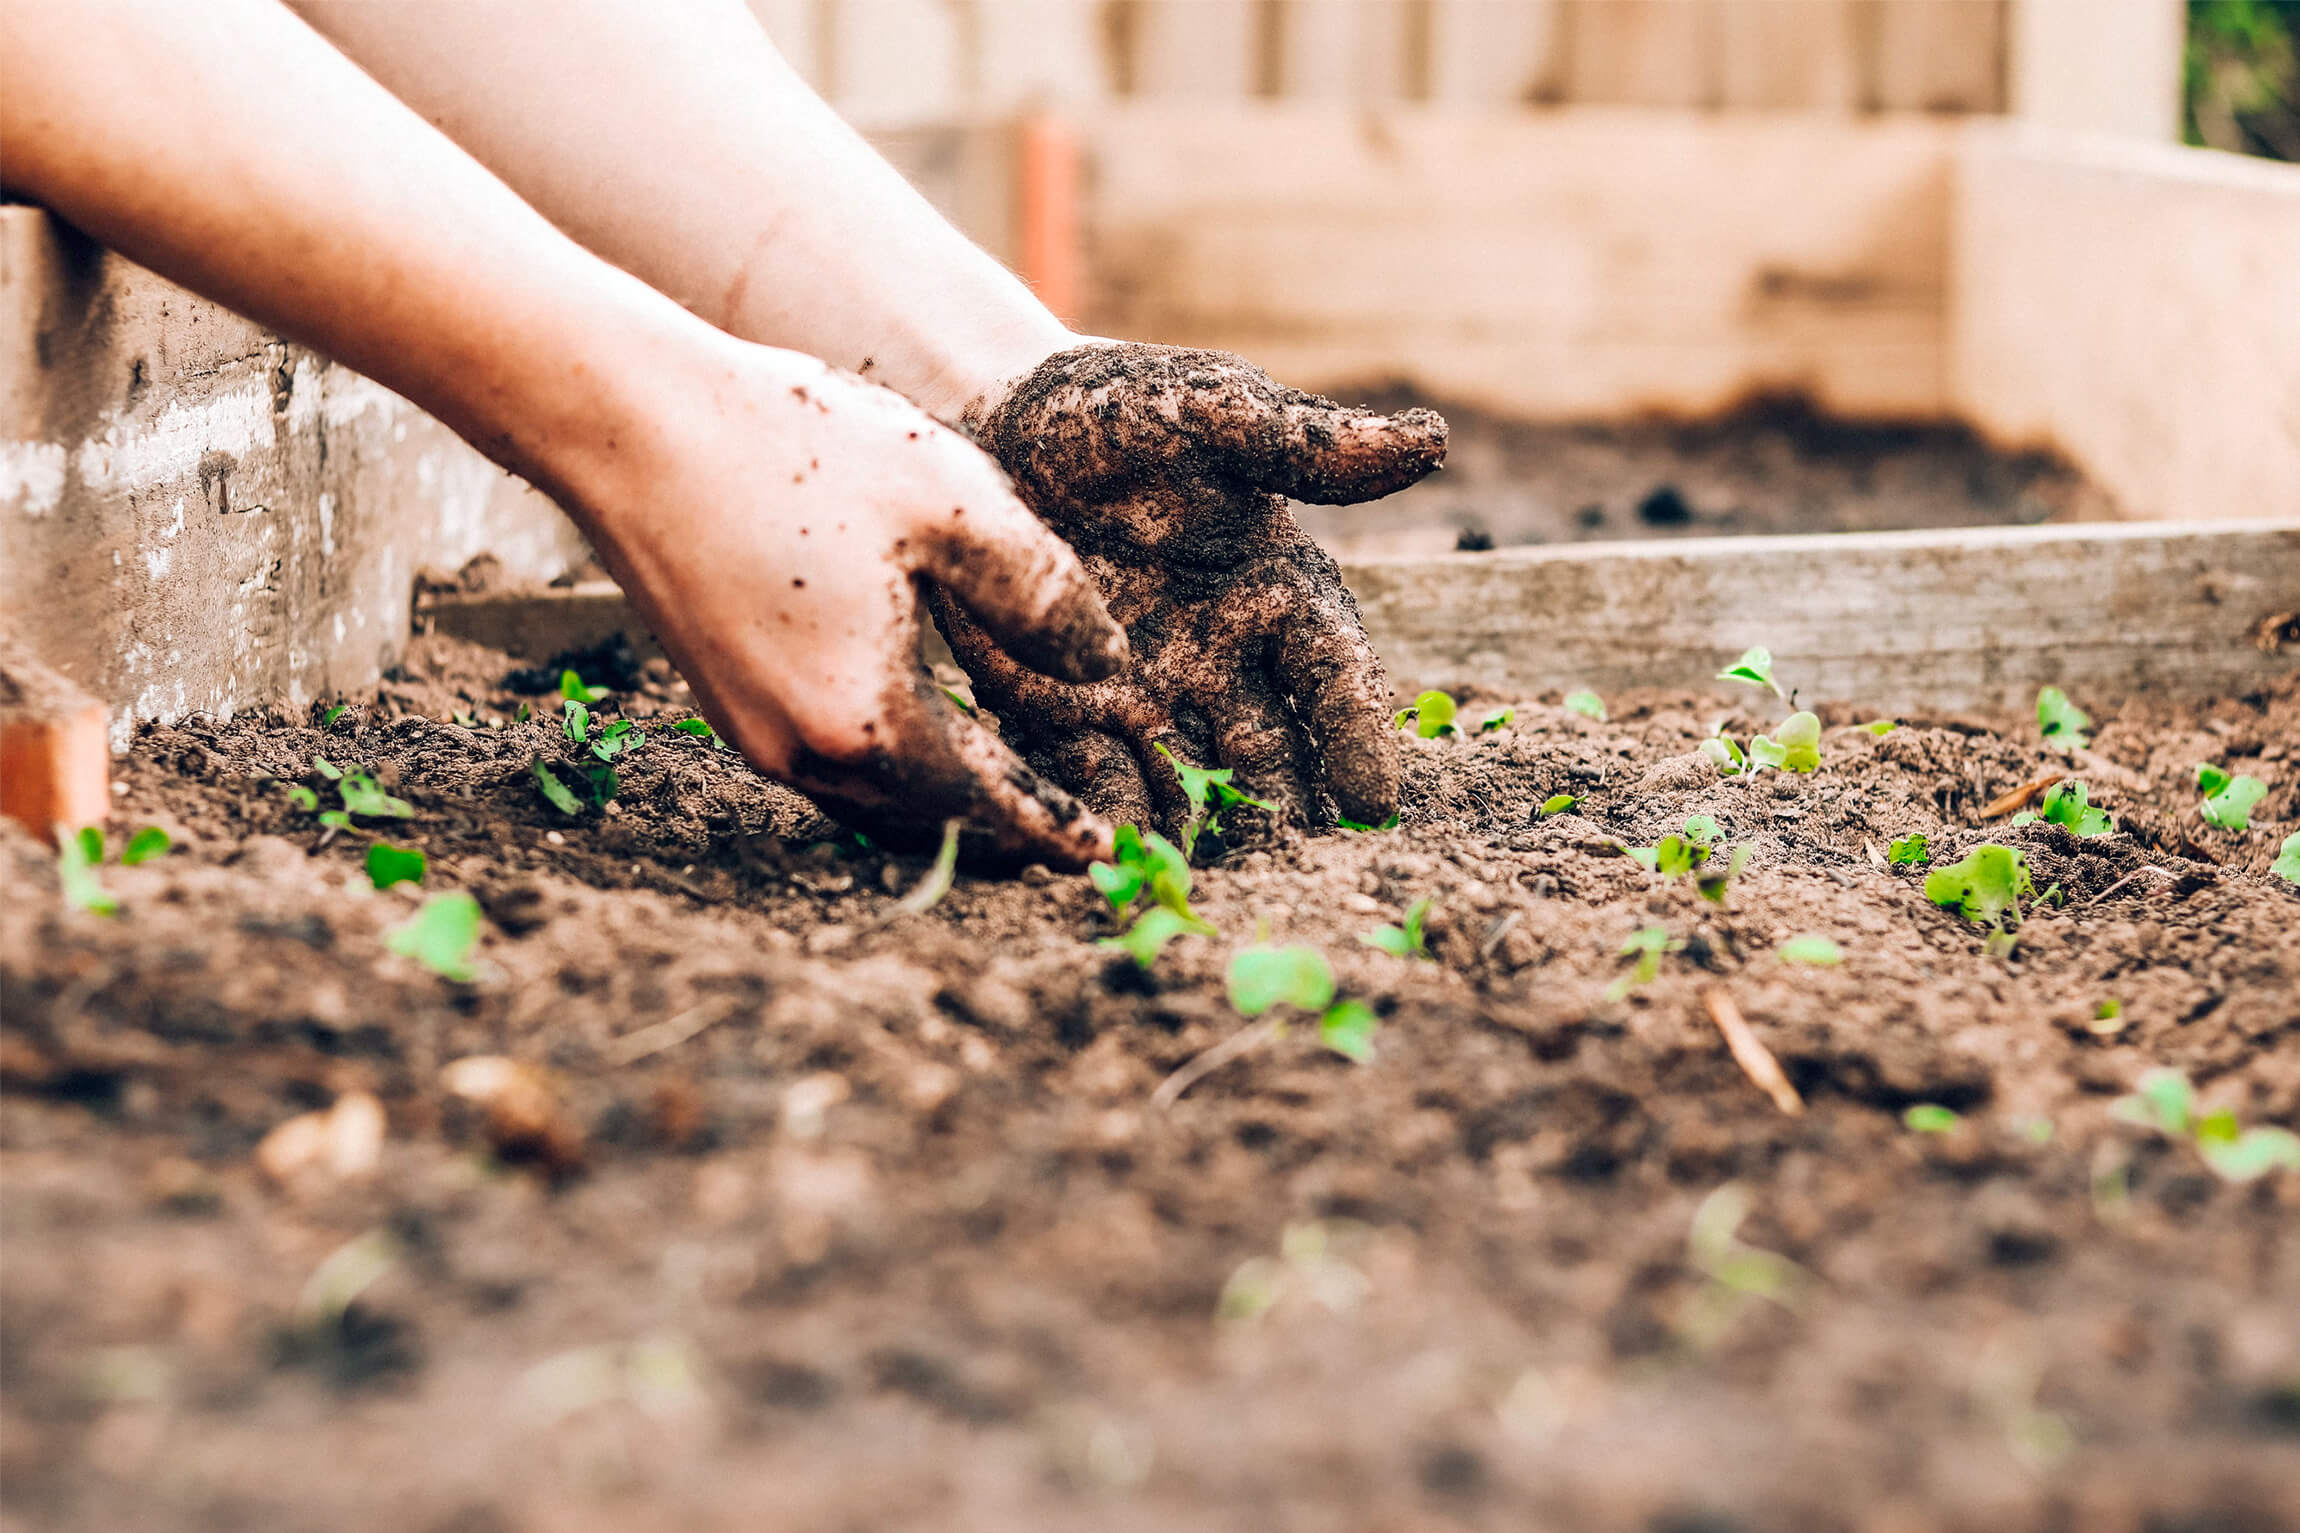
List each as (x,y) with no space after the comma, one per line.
(1350,455)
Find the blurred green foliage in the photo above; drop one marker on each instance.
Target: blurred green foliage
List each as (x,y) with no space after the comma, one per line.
(2241,77)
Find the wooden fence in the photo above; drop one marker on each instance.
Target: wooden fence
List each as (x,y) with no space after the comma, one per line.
(893,62)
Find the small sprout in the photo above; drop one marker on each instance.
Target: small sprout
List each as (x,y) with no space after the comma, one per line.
(575,721)
(1702,829)
(1647,944)
(1881,727)
(571,688)
(1987,886)
(618,739)
(1798,748)
(1674,854)
(2252,1154)
(939,876)
(1814,952)
(1432,715)
(2287,863)
(1210,796)
(699,728)
(2064,804)
(1713,878)
(2061,721)
(441,936)
(1348,1029)
(2107,1019)
(1719,748)
(466,719)
(965,704)
(1262,977)
(1586,703)
(1754,668)
(327,719)
(1407,941)
(526,712)
(1500,718)
(2162,1100)
(78,855)
(1147,862)
(302,797)
(1151,931)
(1556,803)
(1931,1118)
(2228,801)
(326,768)
(362,795)
(335,819)
(555,792)
(146,844)
(1344,822)
(2036,1130)
(1736,1272)
(388,864)
(1911,850)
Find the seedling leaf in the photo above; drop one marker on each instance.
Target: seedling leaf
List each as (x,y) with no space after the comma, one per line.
(327,719)
(699,728)
(1151,931)
(575,720)
(77,857)
(1815,952)
(1262,977)
(2162,1100)
(388,864)
(146,844)
(1986,886)
(1931,1118)
(1556,803)
(1713,879)
(2252,1154)
(2210,778)
(557,793)
(2231,807)
(1348,1029)
(1344,822)
(1912,850)
(1500,718)
(2061,721)
(1673,854)
(1702,829)
(1210,794)
(1797,750)
(326,768)
(1432,714)
(336,819)
(1754,668)
(1720,749)
(1407,941)
(302,797)
(441,936)
(1881,727)
(571,688)
(362,795)
(2065,805)
(1648,944)
(2287,863)
(1586,703)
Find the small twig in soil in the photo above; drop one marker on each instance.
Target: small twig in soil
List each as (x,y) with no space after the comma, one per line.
(937,881)
(1756,1060)
(2148,868)
(2021,797)
(668,1033)
(1235,1046)
(1500,929)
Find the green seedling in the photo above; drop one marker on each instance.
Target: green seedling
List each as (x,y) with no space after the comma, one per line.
(1210,796)
(572,689)
(327,719)
(1910,851)
(699,728)
(1727,756)
(326,768)
(2062,722)
(965,704)
(1263,978)
(1344,822)
(1881,727)
(2164,1101)
(78,855)
(1407,941)
(1986,887)
(2228,801)
(526,712)
(1735,1273)
(556,793)
(1813,952)
(1797,748)
(1714,878)
(1931,1118)
(362,795)
(2036,1130)
(940,875)
(388,864)
(467,720)
(1586,703)
(2287,863)
(1556,803)
(1755,669)
(1147,863)
(1500,718)
(336,819)
(2064,804)
(1152,930)
(1703,830)
(1431,715)
(593,770)
(441,936)
(1647,945)
(302,797)
(146,844)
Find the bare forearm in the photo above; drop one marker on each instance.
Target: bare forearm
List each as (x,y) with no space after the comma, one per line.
(229,147)
(676,142)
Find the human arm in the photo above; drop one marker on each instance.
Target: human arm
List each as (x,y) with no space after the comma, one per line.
(768,515)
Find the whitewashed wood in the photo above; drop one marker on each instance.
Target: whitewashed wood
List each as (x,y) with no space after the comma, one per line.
(1194,50)
(1029,55)
(1348,50)
(1891,621)
(1641,52)
(2098,66)
(1596,261)
(1788,55)
(894,63)
(1937,55)
(1494,52)
(2137,306)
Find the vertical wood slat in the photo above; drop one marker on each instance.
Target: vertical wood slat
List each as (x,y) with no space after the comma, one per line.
(1195,50)
(1034,54)
(893,62)
(1935,55)
(1495,52)
(1641,52)
(1348,50)
(1788,54)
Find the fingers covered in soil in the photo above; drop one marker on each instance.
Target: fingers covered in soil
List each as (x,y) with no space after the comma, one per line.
(877,1223)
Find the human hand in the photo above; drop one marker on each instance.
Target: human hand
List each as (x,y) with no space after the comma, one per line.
(773,522)
(1168,470)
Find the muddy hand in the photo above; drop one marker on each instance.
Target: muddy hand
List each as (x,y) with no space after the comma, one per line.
(1169,470)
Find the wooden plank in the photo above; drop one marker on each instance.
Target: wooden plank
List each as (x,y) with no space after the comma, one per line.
(1350,50)
(1036,55)
(1641,52)
(2099,66)
(1591,262)
(1936,55)
(1194,50)
(1495,52)
(1788,55)
(893,63)
(2132,304)
(1893,621)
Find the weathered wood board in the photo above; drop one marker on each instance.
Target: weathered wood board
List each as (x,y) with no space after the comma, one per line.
(1895,621)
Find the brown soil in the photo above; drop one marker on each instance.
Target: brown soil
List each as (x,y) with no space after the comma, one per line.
(894,1237)
(1773,466)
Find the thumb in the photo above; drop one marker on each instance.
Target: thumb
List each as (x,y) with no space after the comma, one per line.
(1313,450)
(1024,586)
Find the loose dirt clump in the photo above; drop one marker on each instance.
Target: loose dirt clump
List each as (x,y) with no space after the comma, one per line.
(860,1219)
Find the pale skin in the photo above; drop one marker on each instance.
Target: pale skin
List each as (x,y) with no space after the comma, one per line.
(637,316)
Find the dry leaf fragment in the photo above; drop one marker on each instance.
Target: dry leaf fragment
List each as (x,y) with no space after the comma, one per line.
(524,1118)
(1749,1052)
(342,1144)
(2021,797)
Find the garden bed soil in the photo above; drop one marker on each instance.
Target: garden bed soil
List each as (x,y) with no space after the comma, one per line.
(854,1219)
(1773,465)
